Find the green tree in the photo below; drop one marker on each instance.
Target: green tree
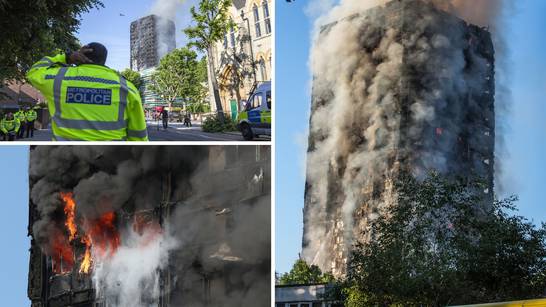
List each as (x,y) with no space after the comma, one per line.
(303,273)
(445,242)
(178,77)
(212,23)
(202,70)
(32,29)
(198,107)
(132,76)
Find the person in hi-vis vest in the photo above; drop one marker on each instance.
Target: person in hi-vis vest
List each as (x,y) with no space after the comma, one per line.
(88,101)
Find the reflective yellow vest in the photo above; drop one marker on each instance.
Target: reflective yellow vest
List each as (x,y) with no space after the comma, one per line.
(20,115)
(10,125)
(89,102)
(31,115)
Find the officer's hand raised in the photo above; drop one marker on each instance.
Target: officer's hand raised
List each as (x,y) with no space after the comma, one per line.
(78,57)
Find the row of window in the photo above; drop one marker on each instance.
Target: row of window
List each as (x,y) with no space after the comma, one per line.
(257,24)
(267,21)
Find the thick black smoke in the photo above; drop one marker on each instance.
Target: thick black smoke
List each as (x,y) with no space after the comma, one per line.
(396,85)
(219,225)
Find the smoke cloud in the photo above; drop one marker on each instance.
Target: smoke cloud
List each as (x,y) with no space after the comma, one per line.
(131,276)
(479,12)
(395,84)
(166,9)
(216,232)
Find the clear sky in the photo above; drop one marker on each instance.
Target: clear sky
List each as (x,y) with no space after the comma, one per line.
(108,27)
(524,167)
(13,226)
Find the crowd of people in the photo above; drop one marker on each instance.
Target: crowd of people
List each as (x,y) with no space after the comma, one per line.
(13,126)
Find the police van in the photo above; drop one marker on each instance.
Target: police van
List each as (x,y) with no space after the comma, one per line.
(255,119)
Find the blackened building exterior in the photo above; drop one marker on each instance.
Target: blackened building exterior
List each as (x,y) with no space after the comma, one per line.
(214,264)
(152,37)
(421,98)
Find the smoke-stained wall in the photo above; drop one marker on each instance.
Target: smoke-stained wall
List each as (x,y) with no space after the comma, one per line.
(152,37)
(193,225)
(403,86)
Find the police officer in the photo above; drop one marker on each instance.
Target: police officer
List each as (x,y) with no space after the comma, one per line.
(10,127)
(20,116)
(88,101)
(30,117)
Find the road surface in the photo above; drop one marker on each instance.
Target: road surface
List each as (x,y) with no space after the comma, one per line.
(175,132)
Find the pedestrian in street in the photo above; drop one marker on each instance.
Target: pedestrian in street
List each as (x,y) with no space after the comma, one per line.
(165,118)
(87,100)
(31,116)
(187,120)
(10,127)
(21,117)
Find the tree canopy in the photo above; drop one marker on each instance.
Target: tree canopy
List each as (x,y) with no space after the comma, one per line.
(446,242)
(32,29)
(303,273)
(212,22)
(178,77)
(132,76)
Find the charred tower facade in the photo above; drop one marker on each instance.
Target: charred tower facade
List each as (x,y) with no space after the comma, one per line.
(403,87)
(152,37)
(157,226)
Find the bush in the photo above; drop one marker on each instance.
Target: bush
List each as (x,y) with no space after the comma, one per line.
(213,124)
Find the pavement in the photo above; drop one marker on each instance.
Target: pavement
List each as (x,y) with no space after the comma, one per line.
(175,132)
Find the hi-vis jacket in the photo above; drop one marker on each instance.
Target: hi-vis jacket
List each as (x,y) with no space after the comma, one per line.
(20,115)
(10,125)
(31,115)
(89,102)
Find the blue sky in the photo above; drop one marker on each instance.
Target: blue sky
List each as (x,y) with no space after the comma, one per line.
(109,28)
(524,166)
(13,226)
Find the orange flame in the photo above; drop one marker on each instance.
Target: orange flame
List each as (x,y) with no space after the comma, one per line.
(100,238)
(62,256)
(86,262)
(69,211)
(103,234)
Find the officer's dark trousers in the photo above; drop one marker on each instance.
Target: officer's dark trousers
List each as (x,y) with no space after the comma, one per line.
(165,123)
(21,132)
(30,129)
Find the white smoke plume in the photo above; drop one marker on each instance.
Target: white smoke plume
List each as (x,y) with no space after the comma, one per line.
(390,93)
(479,12)
(131,276)
(167,10)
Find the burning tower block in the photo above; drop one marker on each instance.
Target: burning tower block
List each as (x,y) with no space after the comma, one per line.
(400,87)
(148,226)
(152,37)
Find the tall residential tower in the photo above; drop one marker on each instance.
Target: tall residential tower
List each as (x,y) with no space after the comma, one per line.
(400,87)
(152,37)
